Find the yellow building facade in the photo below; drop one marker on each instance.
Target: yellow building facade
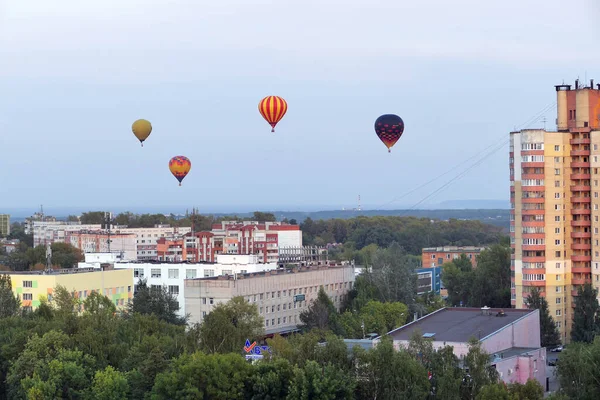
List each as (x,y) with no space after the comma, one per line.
(31,287)
(555,205)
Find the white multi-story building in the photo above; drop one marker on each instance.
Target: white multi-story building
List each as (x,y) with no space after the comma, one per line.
(146,238)
(172,275)
(48,232)
(280,295)
(97,242)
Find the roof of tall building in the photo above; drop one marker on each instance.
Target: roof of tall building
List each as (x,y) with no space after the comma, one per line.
(459,324)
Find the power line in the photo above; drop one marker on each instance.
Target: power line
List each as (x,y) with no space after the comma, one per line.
(494,145)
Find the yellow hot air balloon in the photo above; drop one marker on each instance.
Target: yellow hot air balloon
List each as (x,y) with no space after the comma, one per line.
(141,129)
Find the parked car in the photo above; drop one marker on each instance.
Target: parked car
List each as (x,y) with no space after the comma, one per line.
(557,349)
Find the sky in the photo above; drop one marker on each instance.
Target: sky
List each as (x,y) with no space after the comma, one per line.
(74,75)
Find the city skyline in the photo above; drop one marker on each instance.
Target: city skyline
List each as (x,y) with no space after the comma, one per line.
(197,71)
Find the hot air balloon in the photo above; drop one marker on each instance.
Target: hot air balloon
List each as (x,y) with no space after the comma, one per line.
(272,108)
(180,166)
(141,129)
(389,128)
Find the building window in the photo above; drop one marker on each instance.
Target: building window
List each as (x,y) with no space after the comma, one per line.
(557,242)
(266,322)
(433,256)
(174,289)
(27,296)
(190,274)
(155,273)
(558,277)
(556,183)
(558,313)
(558,300)
(558,289)
(556,230)
(209,272)
(138,272)
(556,171)
(557,195)
(278,321)
(173,273)
(558,324)
(556,147)
(284,319)
(27,283)
(556,159)
(557,265)
(211,300)
(204,300)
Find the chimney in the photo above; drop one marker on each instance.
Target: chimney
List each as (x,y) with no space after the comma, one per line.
(592,84)
(576,84)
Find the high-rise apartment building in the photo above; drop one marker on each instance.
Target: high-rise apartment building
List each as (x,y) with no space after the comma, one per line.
(4,225)
(554,190)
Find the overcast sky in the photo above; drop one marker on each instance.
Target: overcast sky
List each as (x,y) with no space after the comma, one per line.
(462,74)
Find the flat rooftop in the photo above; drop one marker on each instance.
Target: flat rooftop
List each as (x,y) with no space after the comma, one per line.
(272,272)
(459,324)
(451,249)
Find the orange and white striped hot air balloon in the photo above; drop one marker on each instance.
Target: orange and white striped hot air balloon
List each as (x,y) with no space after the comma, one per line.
(272,108)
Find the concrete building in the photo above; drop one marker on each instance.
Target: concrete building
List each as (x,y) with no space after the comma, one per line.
(31,286)
(147,238)
(9,245)
(173,275)
(97,242)
(429,280)
(280,295)
(4,225)
(554,190)
(511,337)
(436,256)
(48,232)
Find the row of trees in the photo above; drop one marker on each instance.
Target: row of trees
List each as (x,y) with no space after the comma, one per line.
(65,351)
(413,233)
(34,258)
(201,222)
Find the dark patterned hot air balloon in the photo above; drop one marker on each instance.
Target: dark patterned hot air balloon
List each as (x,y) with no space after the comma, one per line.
(272,108)
(141,129)
(180,166)
(389,128)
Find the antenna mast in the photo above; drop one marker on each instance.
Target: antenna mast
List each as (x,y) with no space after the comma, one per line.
(107,218)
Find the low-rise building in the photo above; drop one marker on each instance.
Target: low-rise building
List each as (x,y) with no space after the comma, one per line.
(510,336)
(280,295)
(437,256)
(429,280)
(48,232)
(173,275)
(147,238)
(98,242)
(9,245)
(32,286)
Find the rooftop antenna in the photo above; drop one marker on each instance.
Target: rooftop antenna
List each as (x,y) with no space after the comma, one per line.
(544,121)
(107,219)
(359,209)
(42,212)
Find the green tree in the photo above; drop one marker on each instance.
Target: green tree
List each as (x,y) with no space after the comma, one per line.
(156,301)
(393,274)
(378,377)
(550,336)
(374,317)
(64,302)
(531,390)
(201,376)
(227,327)
(480,373)
(65,255)
(492,278)
(321,313)
(93,217)
(585,316)
(494,391)
(577,370)
(97,303)
(446,374)
(263,217)
(317,382)
(110,384)
(271,380)
(10,304)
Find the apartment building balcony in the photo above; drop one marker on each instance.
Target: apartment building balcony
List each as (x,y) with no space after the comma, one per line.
(534,247)
(532,164)
(534,283)
(533,200)
(533,212)
(581,211)
(581,246)
(531,223)
(534,259)
(532,176)
(579,281)
(576,153)
(581,258)
(580,176)
(581,199)
(580,141)
(581,235)
(581,188)
(581,270)
(582,222)
(580,164)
